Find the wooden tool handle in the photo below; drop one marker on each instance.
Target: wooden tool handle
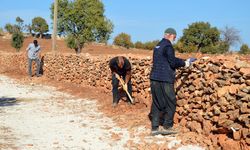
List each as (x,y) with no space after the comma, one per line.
(123,83)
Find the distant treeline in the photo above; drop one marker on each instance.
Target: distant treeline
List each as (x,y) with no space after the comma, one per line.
(198,37)
(83,21)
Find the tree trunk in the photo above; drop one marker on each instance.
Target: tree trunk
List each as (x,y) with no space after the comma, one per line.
(30,31)
(78,49)
(198,48)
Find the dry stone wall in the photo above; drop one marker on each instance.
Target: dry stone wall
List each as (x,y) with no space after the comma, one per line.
(213,96)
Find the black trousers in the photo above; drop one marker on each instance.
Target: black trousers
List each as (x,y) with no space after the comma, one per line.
(163,103)
(115,84)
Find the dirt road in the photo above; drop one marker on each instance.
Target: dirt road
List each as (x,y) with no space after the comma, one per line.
(37,117)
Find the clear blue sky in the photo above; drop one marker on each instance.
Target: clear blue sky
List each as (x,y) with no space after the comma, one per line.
(146,20)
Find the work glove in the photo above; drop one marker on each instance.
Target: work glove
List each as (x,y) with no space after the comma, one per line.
(189,61)
(125,87)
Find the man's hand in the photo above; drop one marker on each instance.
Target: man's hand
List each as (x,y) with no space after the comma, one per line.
(189,61)
(125,87)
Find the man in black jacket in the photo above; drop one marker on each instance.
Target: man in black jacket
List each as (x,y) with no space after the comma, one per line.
(120,66)
(162,79)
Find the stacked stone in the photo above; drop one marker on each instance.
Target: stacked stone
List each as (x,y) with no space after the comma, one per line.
(214,99)
(213,96)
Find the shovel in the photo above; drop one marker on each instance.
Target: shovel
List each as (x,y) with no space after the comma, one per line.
(126,90)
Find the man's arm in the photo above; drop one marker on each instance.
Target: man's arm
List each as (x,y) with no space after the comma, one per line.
(128,76)
(28,47)
(128,70)
(173,61)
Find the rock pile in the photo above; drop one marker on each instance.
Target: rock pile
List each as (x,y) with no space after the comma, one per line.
(214,98)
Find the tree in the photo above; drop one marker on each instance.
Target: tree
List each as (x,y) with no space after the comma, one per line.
(40,25)
(19,24)
(19,20)
(12,28)
(17,40)
(151,44)
(72,42)
(200,34)
(139,45)
(182,48)
(244,49)
(83,21)
(123,40)
(9,28)
(28,28)
(220,48)
(230,36)
(1,32)
(18,27)
(104,30)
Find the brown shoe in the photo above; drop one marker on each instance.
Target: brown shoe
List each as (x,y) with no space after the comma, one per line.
(114,105)
(38,75)
(169,130)
(155,132)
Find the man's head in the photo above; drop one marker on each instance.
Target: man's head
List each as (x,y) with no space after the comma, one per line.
(35,43)
(120,61)
(170,34)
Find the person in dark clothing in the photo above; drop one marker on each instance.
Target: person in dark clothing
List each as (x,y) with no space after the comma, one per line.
(162,79)
(120,66)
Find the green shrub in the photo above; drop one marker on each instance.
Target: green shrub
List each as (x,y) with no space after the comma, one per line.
(17,40)
(123,40)
(244,49)
(9,28)
(150,45)
(72,43)
(1,32)
(182,48)
(139,45)
(220,48)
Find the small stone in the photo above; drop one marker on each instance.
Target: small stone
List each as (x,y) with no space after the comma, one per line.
(245,118)
(246,89)
(236,135)
(236,75)
(247,82)
(220,83)
(230,144)
(245,132)
(244,108)
(207,127)
(248,141)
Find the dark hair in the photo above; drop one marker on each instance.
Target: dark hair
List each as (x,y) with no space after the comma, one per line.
(120,61)
(35,43)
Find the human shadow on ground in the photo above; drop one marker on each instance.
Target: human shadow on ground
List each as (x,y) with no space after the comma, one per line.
(7,101)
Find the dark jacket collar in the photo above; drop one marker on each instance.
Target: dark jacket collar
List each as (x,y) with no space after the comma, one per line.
(166,41)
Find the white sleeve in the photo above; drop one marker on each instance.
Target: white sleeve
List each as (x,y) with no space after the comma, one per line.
(38,48)
(28,47)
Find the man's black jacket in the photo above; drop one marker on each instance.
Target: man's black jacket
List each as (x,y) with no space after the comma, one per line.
(165,62)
